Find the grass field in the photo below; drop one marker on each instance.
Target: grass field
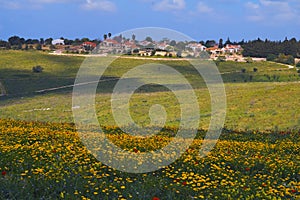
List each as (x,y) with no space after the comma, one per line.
(42,157)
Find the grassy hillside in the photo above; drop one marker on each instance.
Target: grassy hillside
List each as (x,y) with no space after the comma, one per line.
(18,79)
(269,101)
(249,106)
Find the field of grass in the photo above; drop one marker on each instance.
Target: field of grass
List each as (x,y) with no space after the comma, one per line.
(42,157)
(251,106)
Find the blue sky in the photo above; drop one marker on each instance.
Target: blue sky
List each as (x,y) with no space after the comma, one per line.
(199,19)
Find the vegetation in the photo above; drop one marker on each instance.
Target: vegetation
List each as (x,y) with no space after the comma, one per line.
(263,49)
(44,160)
(42,157)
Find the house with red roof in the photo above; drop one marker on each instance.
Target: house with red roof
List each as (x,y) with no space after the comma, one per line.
(89,44)
(111,43)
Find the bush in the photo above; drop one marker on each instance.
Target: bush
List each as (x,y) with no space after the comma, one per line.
(249,60)
(298,64)
(271,57)
(243,70)
(255,69)
(37,69)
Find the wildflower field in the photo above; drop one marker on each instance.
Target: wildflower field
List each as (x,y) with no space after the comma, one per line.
(48,161)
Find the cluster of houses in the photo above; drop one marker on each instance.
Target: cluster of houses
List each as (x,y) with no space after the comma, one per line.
(149,48)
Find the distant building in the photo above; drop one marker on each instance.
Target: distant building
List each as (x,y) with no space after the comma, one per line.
(58,42)
(111,43)
(196,47)
(89,44)
(231,48)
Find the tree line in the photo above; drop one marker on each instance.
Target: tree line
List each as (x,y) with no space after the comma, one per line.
(16,42)
(267,48)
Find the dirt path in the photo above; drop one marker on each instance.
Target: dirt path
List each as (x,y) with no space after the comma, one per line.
(73,85)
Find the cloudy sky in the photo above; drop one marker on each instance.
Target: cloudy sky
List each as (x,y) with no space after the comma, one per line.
(199,19)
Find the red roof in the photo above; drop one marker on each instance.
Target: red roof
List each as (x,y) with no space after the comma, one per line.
(89,44)
(111,41)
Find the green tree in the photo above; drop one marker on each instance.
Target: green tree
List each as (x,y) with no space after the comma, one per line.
(220,43)
(39,47)
(149,39)
(133,37)
(173,43)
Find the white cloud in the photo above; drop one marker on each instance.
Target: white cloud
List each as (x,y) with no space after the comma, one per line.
(252,5)
(169,5)
(10,4)
(272,11)
(203,8)
(104,5)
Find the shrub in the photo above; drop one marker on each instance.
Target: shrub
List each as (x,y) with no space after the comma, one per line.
(243,70)
(271,57)
(298,64)
(37,69)
(249,60)
(255,69)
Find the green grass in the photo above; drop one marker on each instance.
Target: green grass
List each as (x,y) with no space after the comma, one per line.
(265,103)
(18,79)
(249,106)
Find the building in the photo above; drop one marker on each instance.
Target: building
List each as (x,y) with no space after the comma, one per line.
(111,43)
(196,47)
(58,42)
(89,45)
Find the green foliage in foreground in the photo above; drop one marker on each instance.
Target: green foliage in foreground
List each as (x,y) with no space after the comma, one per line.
(48,161)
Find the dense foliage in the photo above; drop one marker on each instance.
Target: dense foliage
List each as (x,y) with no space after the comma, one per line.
(260,48)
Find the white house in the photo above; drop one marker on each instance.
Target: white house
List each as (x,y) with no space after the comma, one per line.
(196,47)
(58,42)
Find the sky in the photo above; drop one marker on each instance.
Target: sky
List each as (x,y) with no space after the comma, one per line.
(199,19)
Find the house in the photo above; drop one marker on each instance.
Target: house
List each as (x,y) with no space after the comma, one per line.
(231,48)
(129,45)
(196,46)
(162,45)
(215,50)
(161,52)
(58,42)
(111,43)
(89,45)
(145,43)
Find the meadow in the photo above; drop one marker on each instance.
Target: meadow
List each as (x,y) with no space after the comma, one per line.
(42,157)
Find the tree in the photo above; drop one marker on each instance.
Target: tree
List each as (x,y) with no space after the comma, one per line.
(42,41)
(180,46)
(104,36)
(14,40)
(210,43)
(39,47)
(227,42)
(109,35)
(48,41)
(133,37)
(149,39)
(220,43)
(85,40)
(173,43)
